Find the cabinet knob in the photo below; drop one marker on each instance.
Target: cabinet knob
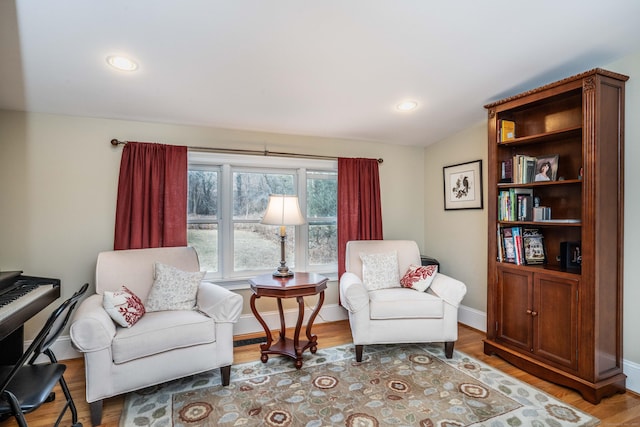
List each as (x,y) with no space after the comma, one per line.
(534,313)
(528,311)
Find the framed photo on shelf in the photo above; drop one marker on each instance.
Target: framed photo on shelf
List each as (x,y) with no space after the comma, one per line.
(546,168)
(534,252)
(463,186)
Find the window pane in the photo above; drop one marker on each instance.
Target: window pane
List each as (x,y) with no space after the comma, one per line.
(257,247)
(251,192)
(204,238)
(322,195)
(322,212)
(323,244)
(202,198)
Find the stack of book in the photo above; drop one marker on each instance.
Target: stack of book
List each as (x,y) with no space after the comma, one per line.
(521,246)
(524,169)
(541,213)
(516,204)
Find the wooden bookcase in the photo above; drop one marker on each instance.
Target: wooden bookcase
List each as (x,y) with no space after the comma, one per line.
(562,324)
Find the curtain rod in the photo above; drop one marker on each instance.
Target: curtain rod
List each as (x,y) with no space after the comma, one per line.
(116,142)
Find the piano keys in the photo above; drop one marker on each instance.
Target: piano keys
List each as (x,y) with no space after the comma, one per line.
(21,298)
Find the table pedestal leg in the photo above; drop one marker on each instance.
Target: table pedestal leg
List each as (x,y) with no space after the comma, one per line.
(264,347)
(313,339)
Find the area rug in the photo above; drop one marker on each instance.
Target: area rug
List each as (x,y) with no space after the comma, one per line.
(394,385)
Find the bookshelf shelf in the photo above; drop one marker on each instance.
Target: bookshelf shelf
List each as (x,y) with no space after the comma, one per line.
(563,261)
(543,137)
(501,185)
(539,224)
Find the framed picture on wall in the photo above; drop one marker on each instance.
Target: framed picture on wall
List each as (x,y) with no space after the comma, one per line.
(463,186)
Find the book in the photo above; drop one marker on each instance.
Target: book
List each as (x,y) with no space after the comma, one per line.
(506,171)
(524,204)
(507,130)
(509,245)
(541,213)
(518,245)
(533,244)
(500,256)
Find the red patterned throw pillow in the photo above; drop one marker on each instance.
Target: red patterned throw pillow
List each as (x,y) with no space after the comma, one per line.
(124,307)
(419,277)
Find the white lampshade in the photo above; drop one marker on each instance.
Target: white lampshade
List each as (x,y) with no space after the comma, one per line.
(283,210)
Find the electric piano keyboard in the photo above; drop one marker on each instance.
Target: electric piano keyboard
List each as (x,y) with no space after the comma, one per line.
(21,298)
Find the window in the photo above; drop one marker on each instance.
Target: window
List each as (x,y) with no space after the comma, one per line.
(227,197)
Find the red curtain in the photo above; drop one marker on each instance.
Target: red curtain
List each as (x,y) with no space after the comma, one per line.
(359,207)
(151,209)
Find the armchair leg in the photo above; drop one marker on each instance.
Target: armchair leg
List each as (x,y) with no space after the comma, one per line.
(448,349)
(359,348)
(96,412)
(225,374)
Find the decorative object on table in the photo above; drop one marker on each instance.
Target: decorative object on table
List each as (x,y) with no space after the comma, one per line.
(283,210)
(463,186)
(408,384)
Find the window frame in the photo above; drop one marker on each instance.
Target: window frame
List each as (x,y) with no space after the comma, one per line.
(226,165)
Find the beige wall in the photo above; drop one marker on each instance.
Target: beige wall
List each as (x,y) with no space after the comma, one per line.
(58,180)
(459,238)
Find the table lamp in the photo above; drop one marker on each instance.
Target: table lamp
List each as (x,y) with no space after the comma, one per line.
(283,210)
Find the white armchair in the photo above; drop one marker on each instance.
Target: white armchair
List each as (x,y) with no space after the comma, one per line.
(398,314)
(162,345)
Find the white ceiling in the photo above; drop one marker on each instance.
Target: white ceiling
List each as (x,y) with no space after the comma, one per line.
(333,68)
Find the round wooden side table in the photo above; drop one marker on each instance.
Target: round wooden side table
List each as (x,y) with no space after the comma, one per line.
(297,286)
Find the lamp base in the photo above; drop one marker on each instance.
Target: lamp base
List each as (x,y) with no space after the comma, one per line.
(278,274)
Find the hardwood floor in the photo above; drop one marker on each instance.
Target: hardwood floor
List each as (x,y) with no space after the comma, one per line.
(619,410)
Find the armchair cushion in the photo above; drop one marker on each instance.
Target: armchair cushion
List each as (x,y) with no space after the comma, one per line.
(124,307)
(380,270)
(173,289)
(419,277)
(186,328)
(403,303)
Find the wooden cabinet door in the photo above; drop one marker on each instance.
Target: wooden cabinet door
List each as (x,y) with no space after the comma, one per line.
(555,319)
(514,300)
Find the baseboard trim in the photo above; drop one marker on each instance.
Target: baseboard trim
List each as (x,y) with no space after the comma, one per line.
(473,318)
(247,324)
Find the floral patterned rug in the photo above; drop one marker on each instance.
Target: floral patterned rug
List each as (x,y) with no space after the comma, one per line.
(394,385)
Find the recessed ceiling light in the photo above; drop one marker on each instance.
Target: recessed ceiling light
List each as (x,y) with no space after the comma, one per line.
(407,106)
(122,63)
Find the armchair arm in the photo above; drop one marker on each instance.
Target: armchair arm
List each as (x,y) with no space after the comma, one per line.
(92,328)
(219,303)
(449,289)
(353,295)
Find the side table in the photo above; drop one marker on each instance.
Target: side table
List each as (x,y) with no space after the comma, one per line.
(299,286)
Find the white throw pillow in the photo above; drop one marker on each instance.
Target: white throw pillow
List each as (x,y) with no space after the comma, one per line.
(419,277)
(124,307)
(173,289)
(380,270)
